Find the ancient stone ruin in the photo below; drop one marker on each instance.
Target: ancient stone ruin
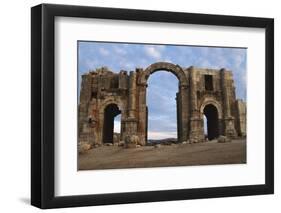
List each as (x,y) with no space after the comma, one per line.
(105,94)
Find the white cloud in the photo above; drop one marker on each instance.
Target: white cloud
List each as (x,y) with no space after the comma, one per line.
(126,65)
(153,52)
(120,51)
(204,63)
(168,60)
(90,64)
(142,63)
(103,51)
(238,58)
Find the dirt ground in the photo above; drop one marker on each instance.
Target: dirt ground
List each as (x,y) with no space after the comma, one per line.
(208,153)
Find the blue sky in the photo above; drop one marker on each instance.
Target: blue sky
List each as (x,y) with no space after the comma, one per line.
(162,86)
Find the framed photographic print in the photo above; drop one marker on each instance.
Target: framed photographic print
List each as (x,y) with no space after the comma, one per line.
(139,106)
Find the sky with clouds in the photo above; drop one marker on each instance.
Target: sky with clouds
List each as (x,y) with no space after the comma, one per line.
(162,86)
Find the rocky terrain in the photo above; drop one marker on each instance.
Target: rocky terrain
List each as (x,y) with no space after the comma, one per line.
(164,154)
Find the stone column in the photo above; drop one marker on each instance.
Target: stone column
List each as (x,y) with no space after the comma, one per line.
(142,113)
(132,94)
(229,129)
(195,133)
(225,94)
(182,101)
(221,126)
(100,127)
(240,108)
(131,122)
(92,120)
(193,95)
(84,128)
(123,85)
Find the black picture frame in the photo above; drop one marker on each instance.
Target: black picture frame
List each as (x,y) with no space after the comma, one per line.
(43,105)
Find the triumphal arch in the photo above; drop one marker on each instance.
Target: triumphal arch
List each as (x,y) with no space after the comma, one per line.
(211,92)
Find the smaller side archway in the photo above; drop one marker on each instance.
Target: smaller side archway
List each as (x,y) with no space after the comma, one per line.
(110,112)
(212,112)
(212,121)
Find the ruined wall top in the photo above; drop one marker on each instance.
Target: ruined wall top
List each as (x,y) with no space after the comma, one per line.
(159,66)
(105,78)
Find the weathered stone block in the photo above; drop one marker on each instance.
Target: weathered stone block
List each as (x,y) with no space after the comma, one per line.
(223,139)
(84,147)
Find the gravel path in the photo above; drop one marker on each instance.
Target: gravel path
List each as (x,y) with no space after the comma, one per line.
(209,153)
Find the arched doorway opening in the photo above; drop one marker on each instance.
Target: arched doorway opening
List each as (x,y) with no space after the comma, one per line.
(211,124)
(111,113)
(162,107)
(182,99)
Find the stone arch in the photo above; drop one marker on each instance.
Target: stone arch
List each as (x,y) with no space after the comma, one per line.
(182,98)
(175,69)
(110,112)
(104,123)
(111,101)
(215,103)
(212,109)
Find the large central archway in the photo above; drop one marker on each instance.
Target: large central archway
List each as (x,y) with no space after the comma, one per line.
(175,69)
(162,90)
(182,98)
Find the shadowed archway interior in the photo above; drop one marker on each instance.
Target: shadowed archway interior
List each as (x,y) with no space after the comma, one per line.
(211,113)
(110,112)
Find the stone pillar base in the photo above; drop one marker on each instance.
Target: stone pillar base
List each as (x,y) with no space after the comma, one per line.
(196,133)
(87,138)
(229,130)
(130,126)
(131,141)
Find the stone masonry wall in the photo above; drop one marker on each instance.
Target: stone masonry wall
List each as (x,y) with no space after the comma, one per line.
(208,92)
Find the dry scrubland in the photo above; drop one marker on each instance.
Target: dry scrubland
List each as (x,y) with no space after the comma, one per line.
(113,157)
